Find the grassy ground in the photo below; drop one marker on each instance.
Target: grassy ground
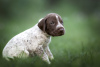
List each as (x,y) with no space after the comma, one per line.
(79,47)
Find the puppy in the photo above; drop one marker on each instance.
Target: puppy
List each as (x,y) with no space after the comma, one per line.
(35,41)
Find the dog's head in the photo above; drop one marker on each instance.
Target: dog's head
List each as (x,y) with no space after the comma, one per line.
(52,24)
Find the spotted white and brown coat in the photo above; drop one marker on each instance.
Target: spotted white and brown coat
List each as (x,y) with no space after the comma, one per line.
(35,41)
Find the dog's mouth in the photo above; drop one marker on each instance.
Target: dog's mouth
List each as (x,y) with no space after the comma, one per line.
(57,32)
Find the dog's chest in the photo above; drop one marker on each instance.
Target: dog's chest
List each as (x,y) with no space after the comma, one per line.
(46,41)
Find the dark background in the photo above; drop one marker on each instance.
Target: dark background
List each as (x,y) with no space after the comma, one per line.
(79,47)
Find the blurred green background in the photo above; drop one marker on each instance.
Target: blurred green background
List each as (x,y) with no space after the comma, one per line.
(79,47)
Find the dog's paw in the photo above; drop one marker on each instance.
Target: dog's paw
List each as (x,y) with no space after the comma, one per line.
(51,58)
(48,62)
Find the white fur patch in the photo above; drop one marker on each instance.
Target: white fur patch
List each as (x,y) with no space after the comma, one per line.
(40,19)
(59,24)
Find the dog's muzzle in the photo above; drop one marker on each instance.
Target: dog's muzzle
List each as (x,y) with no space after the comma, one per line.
(61,31)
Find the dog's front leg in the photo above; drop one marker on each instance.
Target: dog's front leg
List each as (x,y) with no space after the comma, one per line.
(48,52)
(40,52)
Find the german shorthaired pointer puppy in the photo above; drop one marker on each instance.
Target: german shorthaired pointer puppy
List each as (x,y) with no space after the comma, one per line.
(35,41)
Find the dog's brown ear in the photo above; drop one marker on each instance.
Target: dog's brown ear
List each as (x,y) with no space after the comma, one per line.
(42,24)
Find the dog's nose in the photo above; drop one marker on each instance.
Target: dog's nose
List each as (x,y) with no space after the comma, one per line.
(61,30)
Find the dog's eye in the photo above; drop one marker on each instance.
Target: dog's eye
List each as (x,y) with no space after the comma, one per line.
(62,23)
(52,23)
